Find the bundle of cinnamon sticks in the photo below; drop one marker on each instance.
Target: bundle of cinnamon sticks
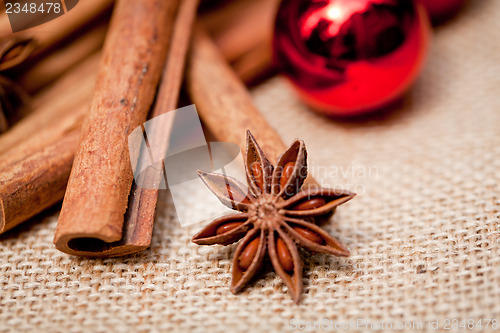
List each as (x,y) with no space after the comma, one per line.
(87,87)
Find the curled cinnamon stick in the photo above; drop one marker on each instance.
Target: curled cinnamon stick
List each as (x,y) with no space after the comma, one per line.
(36,182)
(142,201)
(92,215)
(55,103)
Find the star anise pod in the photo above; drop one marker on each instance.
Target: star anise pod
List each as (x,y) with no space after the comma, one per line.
(275,216)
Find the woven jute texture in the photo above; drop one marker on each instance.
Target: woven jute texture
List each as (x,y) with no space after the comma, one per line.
(423,230)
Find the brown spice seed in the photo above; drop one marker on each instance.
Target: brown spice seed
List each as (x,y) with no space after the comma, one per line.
(284,255)
(247,255)
(287,173)
(310,204)
(258,175)
(309,234)
(223,228)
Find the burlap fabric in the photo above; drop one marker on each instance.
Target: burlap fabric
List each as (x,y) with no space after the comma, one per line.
(423,231)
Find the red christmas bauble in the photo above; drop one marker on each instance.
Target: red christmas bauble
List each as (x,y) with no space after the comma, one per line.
(347,57)
(441,9)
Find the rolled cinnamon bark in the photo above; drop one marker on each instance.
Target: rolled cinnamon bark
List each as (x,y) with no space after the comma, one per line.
(92,215)
(37,181)
(142,201)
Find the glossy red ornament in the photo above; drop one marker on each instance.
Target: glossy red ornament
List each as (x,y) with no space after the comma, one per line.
(441,9)
(347,57)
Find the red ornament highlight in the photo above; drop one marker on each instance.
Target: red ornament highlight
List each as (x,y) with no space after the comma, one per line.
(348,57)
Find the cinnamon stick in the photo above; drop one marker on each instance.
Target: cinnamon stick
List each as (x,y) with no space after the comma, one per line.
(31,184)
(16,48)
(35,177)
(56,103)
(142,202)
(92,215)
(49,134)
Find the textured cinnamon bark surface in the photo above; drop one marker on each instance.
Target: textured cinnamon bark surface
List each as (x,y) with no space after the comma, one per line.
(51,133)
(142,202)
(36,182)
(92,215)
(37,153)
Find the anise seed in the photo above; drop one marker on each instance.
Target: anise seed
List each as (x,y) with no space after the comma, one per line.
(223,228)
(311,235)
(287,173)
(284,255)
(247,255)
(258,175)
(310,204)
